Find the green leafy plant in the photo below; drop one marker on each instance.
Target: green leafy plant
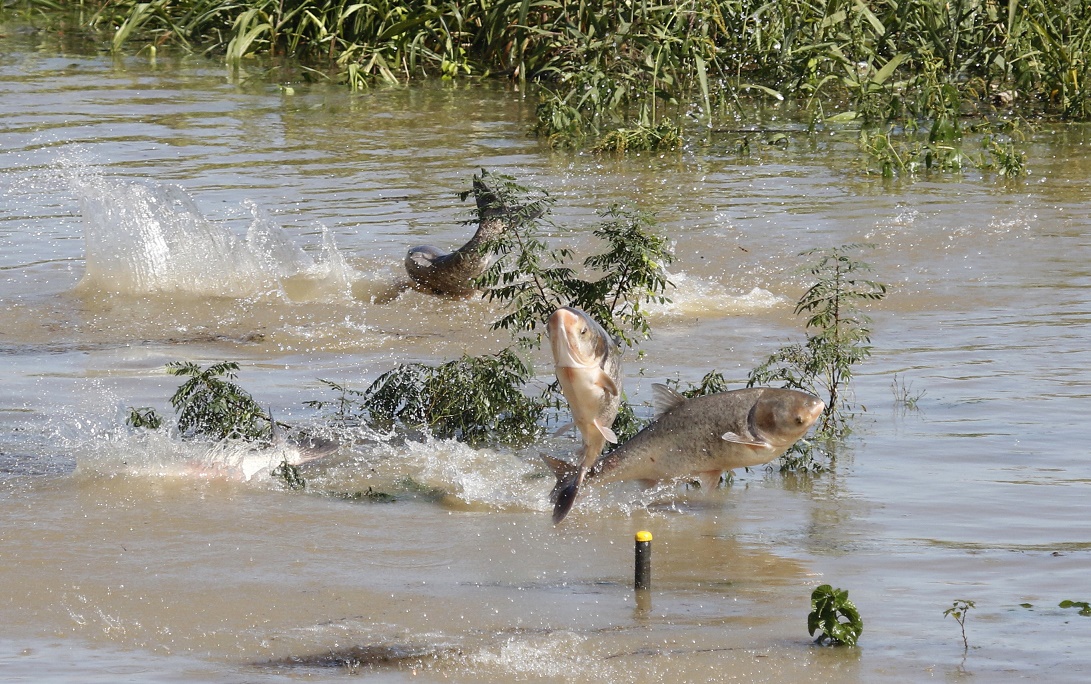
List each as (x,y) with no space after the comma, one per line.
(838,337)
(473,399)
(144,417)
(209,405)
(1084,606)
(602,66)
(532,280)
(959,610)
(834,617)
(289,475)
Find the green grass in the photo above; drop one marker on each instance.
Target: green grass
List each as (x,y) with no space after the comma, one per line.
(611,72)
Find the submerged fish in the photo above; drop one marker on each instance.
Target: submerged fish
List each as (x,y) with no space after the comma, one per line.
(452,273)
(588,366)
(241,460)
(701,437)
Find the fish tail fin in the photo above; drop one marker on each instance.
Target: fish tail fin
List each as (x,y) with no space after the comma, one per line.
(569,479)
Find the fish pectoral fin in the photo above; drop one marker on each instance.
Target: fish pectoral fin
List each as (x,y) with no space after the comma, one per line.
(737,439)
(609,434)
(567,427)
(607,384)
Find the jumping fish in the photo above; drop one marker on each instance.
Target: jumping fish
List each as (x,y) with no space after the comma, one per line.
(452,273)
(588,366)
(241,460)
(700,437)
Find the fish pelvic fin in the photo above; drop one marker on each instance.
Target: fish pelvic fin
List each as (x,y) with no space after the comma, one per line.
(664,399)
(606,432)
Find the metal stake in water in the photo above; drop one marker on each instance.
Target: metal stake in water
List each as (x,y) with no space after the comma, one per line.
(643,561)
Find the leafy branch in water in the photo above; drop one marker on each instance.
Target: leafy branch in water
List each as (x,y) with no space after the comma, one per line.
(1084,606)
(959,610)
(473,399)
(533,280)
(834,617)
(209,406)
(712,383)
(289,474)
(144,417)
(838,339)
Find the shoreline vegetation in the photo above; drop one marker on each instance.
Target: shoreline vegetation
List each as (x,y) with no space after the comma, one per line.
(912,77)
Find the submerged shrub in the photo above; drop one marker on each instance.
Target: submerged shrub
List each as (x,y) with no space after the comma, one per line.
(838,339)
(209,405)
(474,399)
(834,617)
(533,280)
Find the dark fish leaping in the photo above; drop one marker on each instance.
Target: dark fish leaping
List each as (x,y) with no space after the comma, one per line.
(588,366)
(452,273)
(702,437)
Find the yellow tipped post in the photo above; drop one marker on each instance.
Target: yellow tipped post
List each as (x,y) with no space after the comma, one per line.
(643,561)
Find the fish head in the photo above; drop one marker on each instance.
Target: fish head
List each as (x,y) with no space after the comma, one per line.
(577,340)
(782,416)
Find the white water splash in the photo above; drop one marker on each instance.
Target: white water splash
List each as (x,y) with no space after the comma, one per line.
(697,296)
(153,239)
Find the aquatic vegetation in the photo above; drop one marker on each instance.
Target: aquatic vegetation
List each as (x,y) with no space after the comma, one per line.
(834,617)
(144,417)
(209,405)
(533,280)
(476,399)
(289,475)
(839,336)
(664,136)
(904,395)
(959,610)
(1084,606)
(611,73)
(712,382)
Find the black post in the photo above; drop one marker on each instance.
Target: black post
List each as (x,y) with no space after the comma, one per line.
(643,561)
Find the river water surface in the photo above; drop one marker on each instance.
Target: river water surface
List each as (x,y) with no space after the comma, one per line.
(172,211)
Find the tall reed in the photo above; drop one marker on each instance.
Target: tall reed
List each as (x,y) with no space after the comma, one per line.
(646,62)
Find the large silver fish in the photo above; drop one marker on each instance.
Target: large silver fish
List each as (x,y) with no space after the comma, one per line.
(700,437)
(588,366)
(453,273)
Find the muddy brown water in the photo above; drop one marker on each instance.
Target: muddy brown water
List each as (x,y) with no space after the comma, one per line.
(124,558)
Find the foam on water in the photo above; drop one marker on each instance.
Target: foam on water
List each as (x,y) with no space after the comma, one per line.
(151,238)
(699,296)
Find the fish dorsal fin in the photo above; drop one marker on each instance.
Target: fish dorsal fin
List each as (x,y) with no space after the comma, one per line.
(664,399)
